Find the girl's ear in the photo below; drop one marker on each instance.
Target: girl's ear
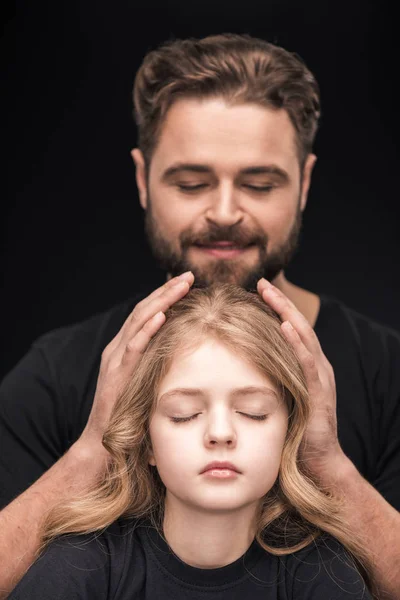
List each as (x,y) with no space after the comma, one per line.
(152,460)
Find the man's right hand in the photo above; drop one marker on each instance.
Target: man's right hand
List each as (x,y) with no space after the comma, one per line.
(120,357)
(73,473)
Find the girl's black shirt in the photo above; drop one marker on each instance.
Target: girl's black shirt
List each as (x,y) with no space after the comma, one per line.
(131,561)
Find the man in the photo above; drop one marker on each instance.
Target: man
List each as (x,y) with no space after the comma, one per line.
(224,163)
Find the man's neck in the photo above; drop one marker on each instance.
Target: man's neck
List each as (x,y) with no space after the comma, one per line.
(208,541)
(306,302)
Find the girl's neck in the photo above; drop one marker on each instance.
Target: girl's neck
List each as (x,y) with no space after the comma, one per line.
(206,540)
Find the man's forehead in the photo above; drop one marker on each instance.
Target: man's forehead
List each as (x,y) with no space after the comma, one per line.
(213,133)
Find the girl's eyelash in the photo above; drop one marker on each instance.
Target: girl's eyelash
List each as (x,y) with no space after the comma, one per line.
(255,417)
(185,419)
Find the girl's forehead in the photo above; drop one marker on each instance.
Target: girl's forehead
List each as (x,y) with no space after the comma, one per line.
(213,364)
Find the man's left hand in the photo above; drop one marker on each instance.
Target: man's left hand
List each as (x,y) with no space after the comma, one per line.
(320,448)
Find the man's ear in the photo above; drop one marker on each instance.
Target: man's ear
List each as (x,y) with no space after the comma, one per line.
(307,172)
(138,159)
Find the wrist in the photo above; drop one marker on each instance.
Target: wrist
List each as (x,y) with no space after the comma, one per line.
(89,455)
(335,471)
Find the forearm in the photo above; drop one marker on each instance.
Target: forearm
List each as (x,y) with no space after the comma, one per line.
(21,520)
(373,521)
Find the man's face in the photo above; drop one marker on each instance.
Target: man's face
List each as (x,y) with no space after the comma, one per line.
(224,194)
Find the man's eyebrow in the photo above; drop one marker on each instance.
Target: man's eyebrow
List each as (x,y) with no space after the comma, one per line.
(235,393)
(273,170)
(190,167)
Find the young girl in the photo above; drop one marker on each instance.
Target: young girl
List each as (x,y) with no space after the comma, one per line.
(205,496)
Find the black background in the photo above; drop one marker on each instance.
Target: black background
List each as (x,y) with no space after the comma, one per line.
(73,242)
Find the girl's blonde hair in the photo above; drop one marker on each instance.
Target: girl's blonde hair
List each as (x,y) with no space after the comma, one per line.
(293,513)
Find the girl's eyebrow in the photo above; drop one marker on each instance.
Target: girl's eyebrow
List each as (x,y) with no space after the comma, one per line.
(253,389)
(182,392)
(237,392)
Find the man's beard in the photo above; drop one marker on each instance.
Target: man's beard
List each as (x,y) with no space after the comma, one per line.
(268,265)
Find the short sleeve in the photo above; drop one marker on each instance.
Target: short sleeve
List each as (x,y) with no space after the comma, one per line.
(72,567)
(32,424)
(325,570)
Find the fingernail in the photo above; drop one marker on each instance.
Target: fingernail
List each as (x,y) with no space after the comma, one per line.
(184,275)
(267,283)
(270,290)
(181,284)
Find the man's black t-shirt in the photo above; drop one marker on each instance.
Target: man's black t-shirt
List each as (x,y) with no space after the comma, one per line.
(46,399)
(135,563)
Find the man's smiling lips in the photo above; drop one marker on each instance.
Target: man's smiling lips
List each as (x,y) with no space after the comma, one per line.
(223,249)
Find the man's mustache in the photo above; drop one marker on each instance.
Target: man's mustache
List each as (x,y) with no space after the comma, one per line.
(238,236)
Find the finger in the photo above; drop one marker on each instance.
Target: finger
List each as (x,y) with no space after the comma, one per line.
(159,300)
(306,358)
(187,276)
(172,284)
(287,311)
(162,302)
(141,315)
(138,344)
(265,286)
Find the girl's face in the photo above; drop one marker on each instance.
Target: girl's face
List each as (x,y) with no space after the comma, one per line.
(213,407)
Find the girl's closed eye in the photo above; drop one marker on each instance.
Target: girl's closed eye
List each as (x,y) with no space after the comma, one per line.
(191,417)
(255,417)
(183,419)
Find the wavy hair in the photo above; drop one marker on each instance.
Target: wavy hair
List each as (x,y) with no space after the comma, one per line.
(293,513)
(237,68)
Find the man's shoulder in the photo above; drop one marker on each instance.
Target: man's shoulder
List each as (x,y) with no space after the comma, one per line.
(338,319)
(92,332)
(360,350)
(88,565)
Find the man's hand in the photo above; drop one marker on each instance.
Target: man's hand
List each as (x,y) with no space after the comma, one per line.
(120,357)
(364,512)
(320,448)
(21,520)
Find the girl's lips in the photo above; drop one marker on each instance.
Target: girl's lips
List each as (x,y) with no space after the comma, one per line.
(221,465)
(221,473)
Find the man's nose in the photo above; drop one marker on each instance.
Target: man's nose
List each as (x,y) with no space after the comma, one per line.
(224,209)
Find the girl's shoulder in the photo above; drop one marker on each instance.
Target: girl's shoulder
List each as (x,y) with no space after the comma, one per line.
(325,567)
